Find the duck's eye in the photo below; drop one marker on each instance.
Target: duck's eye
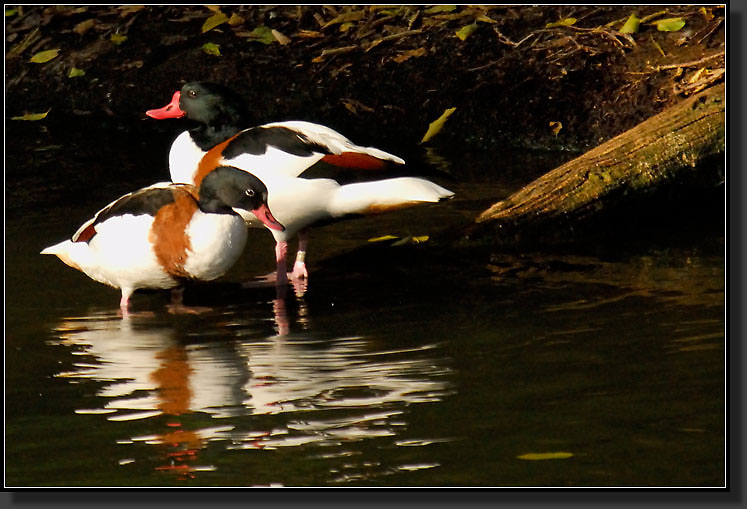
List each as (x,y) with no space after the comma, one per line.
(192,93)
(250,193)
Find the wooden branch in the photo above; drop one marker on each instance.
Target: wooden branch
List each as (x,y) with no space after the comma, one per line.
(660,150)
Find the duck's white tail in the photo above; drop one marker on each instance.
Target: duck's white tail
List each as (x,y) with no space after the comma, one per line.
(385,195)
(74,254)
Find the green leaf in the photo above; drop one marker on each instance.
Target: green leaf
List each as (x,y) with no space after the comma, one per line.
(32,116)
(669,24)
(562,23)
(538,456)
(213,21)
(435,126)
(466,31)
(211,49)
(262,34)
(10,12)
(631,25)
(118,38)
(45,56)
(440,8)
(76,73)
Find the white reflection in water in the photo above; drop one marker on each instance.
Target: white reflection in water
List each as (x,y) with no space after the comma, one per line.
(330,391)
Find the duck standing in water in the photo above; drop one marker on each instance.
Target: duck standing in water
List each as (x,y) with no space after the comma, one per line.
(163,235)
(313,174)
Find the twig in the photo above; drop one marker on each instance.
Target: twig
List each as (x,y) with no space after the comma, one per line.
(694,63)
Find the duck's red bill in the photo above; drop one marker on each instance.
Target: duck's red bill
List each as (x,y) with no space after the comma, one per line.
(263,214)
(171,110)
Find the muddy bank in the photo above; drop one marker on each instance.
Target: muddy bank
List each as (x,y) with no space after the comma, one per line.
(546,77)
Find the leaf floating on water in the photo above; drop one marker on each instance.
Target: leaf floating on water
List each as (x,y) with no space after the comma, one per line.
(213,21)
(669,24)
(631,25)
(565,22)
(32,116)
(466,31)
(435,126)
(76,73)
(45,56)
(538,456)
(383,238)
(211,49)
(118,38)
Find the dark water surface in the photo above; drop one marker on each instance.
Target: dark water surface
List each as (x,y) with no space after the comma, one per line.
(409,365)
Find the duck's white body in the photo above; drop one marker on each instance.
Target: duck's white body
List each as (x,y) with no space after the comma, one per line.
(161,236)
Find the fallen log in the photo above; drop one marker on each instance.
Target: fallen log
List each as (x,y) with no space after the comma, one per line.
(683,144)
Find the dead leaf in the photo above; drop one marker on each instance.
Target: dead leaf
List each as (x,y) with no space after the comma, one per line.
(235,20)
(356,106)
(436,126)
(84,26)
(344,18)
(309,34)
(45,56)
(282,39)
(213,21)
(32,116)
(440,8)
(406,55)
(562,23)
(129,9)
(556,127)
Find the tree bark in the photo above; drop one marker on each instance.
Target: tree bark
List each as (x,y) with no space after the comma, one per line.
(677,145)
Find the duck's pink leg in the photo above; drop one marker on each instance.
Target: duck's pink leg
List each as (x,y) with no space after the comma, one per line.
(124,302)
(299,268)
(281,251)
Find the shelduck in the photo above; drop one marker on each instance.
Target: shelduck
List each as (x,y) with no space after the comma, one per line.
(163,235)
(312,172)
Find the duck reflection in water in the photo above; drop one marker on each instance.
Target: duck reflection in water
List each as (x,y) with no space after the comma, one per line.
(155,372)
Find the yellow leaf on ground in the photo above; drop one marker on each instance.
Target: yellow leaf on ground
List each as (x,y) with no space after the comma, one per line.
(669,24)
(466,31)
(406,55)
(436,126)
(344,18)
(32,116)
(235,20)
(211,49)
(84,26)
(129,9)
(45,56)
(440,8)
(537,456)
(282,39)
(631,25)
(213,21)
(562,23)
(118,38)
(76,73)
